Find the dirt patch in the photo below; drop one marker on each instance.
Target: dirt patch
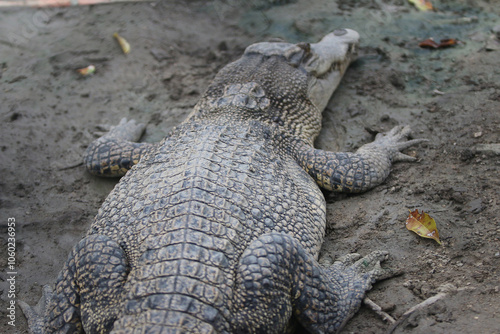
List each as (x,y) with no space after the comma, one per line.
(49,114)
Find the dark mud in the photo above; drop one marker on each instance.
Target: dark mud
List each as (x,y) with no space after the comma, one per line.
(49,114)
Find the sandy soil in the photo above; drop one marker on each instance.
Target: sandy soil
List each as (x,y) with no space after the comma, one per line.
(49,114)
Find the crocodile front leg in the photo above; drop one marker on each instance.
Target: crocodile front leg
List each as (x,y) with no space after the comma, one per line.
(113,154)
(89,291)
(277,278)
(360,171)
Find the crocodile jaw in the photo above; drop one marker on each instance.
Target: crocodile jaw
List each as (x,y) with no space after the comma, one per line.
(325,62)
(330,58)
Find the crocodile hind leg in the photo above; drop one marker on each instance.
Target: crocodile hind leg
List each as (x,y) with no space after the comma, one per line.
(113,154)
(89,291)
(35,314)
(278,279)
(356,172)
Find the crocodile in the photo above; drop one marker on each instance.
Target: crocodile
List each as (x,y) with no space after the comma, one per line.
(218,228)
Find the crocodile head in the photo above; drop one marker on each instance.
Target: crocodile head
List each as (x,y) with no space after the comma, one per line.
(324,63)
(285,83)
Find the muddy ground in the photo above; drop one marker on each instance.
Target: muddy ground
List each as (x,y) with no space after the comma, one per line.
(49,114)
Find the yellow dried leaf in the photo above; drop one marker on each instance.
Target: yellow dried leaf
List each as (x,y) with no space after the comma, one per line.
(423,5)
(123,43)
(423,225)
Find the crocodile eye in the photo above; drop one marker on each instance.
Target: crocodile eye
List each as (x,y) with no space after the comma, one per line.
(305,46)
(299,54)
(295,58)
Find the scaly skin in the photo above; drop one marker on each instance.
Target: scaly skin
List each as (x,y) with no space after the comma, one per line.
(218,228)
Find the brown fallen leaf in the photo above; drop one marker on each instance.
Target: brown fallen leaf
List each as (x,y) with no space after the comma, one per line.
(432,44)
(423,5)
(423,225)
(429,44)
(447,42)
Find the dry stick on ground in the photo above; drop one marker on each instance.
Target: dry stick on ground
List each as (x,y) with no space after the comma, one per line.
(444,290)
(377,309)
(76,164)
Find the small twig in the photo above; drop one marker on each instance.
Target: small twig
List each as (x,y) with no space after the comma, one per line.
(422,305)
(71,166)
(445,290)
(378,310)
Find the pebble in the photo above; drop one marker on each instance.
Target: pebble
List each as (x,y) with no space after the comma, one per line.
(160,54)
(496,29)
(475,206)
(492,44)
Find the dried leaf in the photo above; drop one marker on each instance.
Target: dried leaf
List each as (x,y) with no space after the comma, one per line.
(447,42)
(423,225)
(123,43)
(444,43)
(429,44)
(86,70)
(423,5)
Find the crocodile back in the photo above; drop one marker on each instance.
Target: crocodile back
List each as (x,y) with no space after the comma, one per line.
(188,210)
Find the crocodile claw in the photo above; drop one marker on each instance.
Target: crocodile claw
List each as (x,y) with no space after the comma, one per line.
(394,141)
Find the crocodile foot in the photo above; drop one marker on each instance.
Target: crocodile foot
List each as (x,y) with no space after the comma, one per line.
(127,130)
(394,141)
(355,172)
(35,314)
(356,274)
(113,154)
(364,270)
